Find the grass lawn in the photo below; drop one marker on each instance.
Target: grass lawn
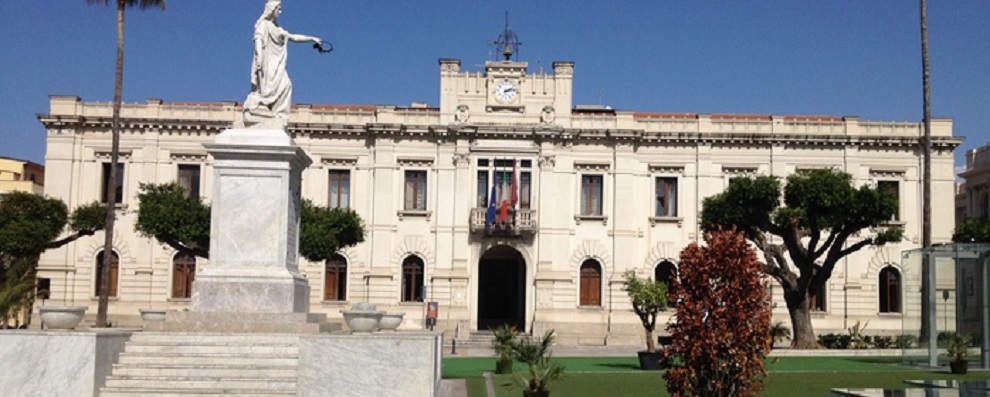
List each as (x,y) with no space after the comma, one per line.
(619,376)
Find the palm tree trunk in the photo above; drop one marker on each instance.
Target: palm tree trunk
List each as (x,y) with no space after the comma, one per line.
(926,198)
(104,303)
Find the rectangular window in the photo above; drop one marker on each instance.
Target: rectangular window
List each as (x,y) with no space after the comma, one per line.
(483,190)
(893,189)
(816,299)
(119,195)
(525,181)
(666,197)
(415,188)
(189,179)
(591,195)
(340,189)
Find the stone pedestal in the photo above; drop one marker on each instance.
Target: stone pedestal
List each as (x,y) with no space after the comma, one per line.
(255,226)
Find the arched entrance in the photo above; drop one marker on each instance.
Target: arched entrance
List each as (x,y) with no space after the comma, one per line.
(501,288)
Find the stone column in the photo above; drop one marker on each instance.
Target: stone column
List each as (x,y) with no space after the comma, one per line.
(254,245)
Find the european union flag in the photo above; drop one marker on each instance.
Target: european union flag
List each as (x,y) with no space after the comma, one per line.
(490,216)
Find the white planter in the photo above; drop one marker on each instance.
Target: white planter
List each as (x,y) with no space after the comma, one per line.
(61,317)
(390,321)
(152,315)
(360,321)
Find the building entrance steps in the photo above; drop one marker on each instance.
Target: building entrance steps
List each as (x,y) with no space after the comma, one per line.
(188,364)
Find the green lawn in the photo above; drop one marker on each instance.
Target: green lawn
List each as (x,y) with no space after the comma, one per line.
(619,376)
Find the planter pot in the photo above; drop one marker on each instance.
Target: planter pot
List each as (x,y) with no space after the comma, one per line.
(152,315)
(533,393)
(61,317)
(650,361)
(359,321)
(390,321)
(959,367)
(503,366)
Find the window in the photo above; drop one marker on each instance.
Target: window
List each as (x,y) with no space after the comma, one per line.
(666,197)
(415,191)
(340,189)
(890,290)
(893,189)
(591,195)
(482,189)
(591,283)
(335,281)
(816,299)
(412,279)
(525,181)
(189,179)
(183,275)
(119,195)
(114,271)
(511,180)
(665,273)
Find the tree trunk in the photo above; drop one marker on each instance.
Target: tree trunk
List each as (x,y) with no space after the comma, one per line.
(800,311)
(926,196)
(104,302)
(651,343)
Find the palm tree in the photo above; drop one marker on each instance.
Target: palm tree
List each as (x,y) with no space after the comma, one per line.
(926,195)
(118,83)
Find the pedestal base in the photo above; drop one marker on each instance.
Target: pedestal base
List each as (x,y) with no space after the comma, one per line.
(246,322)
(288,294)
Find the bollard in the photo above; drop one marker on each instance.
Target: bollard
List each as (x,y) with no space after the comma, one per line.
(453,347)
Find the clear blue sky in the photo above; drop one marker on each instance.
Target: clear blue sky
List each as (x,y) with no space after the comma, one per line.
(834,57)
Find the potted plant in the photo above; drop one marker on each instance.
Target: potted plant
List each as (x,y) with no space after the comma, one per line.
(649,298)
(541,371)
(957,347)
(505,338)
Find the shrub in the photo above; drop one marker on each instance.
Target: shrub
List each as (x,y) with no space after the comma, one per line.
(883,342)
(722,329)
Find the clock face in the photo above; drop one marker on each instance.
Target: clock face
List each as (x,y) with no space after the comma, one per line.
(506,91)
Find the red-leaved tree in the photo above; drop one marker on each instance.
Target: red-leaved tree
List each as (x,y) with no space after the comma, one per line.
(722,328)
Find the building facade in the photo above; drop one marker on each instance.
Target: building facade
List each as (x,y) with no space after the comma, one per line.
(21,176)
(507,203)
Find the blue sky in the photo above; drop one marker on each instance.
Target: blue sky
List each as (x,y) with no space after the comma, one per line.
(834,57)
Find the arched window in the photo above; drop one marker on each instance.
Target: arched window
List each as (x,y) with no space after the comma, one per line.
(114,270)
(412,279)
(335,279)
(665,272)
(890,290)
(183,275)
(591,283)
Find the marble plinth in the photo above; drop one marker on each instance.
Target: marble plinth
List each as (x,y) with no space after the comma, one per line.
(397,364)
(253,322)
(255,225)
(57,364)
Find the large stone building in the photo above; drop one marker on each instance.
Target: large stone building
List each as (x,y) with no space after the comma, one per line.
(588,191)
(21,176)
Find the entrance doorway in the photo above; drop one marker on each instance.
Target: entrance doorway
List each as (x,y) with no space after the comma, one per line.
(501,289)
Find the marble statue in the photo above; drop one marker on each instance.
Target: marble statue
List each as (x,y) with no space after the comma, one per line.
(268,104)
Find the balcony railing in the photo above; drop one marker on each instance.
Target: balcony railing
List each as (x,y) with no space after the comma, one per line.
(518,222)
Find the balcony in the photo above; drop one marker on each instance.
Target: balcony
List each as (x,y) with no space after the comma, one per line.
(520,222)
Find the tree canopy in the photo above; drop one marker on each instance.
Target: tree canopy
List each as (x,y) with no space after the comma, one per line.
(31,224)
(972,230)
(168,215)
(821,218)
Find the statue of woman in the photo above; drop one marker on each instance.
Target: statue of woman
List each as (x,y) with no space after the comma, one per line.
(271,89)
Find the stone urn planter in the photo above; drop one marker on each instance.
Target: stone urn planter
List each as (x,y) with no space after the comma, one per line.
(390,321)
(362,318)
(152,315)
(61,317)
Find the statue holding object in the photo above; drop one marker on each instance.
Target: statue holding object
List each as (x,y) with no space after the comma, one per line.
(268,104)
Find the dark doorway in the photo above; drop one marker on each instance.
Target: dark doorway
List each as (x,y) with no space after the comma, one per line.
(501,289)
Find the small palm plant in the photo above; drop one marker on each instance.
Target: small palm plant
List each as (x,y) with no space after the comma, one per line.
(505,338)
(779,332)
(541,371)
(957,349)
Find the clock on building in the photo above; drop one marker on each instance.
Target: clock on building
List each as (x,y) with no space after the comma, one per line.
(506,91)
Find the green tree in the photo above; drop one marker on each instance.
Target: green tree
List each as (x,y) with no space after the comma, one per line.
(168,215)
(972,230)
(649,298)
(804,236)
(31,224)
(721,331)
(118,88)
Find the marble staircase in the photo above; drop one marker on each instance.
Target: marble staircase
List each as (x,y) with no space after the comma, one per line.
(200,365)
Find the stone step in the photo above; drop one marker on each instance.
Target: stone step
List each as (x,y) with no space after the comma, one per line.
(205,338)
(200,370)
(211,349)
(183,392)
(225,384)
(272,359)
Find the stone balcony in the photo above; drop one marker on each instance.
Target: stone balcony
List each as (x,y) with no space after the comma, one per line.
(519,222)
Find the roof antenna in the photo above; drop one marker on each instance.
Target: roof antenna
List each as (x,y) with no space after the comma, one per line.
(507,42)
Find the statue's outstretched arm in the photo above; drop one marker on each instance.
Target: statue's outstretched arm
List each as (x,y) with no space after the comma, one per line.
(302,37)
